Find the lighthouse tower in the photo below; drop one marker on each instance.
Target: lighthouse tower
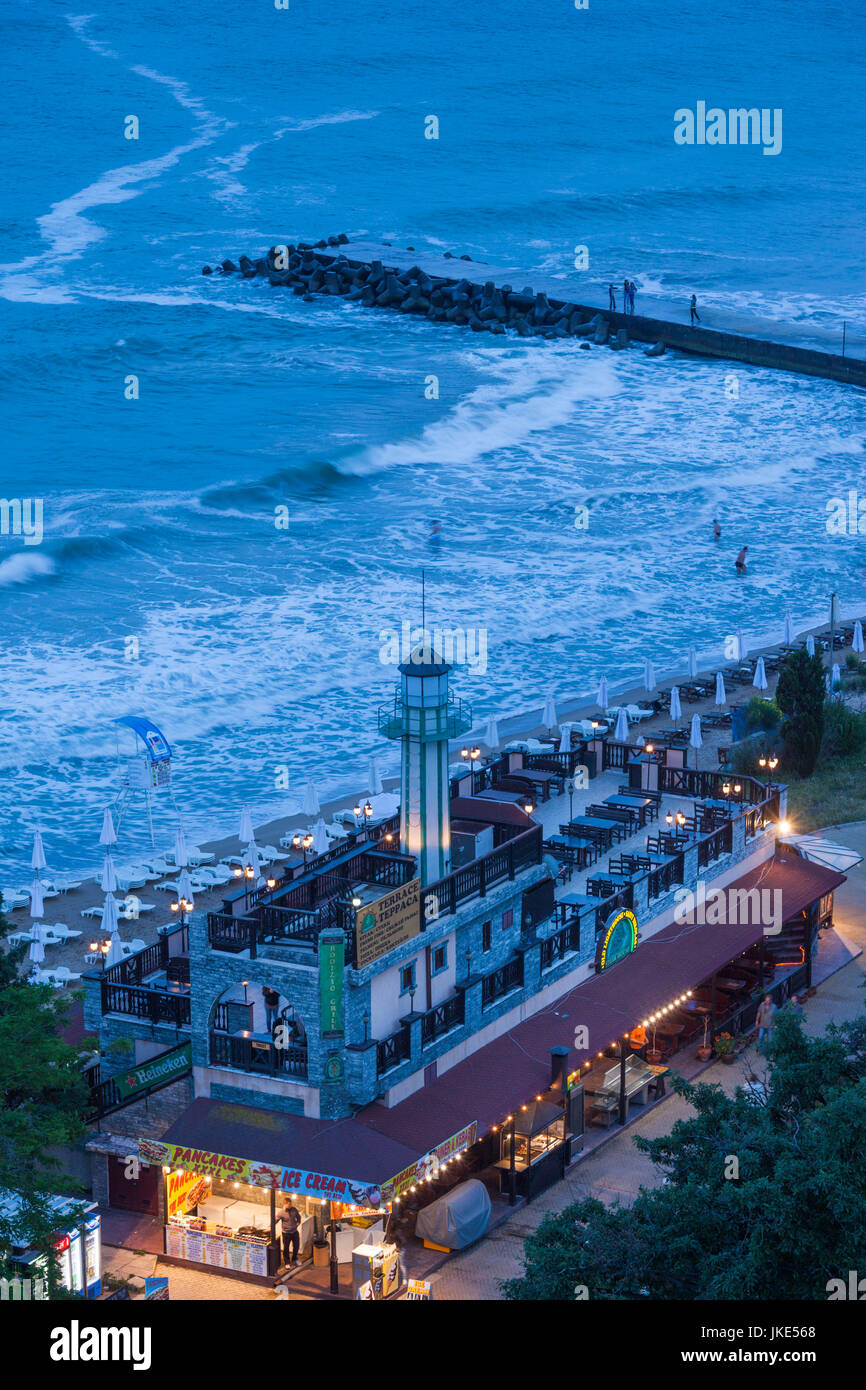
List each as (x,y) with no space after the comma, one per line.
(424,716)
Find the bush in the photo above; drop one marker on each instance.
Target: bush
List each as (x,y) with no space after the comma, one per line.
(844,732)
(763,714)
(852,661)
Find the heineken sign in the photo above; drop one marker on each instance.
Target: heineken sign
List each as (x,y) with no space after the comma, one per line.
(157,1072)
(617,940)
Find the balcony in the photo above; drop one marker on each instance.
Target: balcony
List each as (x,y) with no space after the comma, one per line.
(152,985)
(150,1003)
(393,1050)
(442,1018)
(473,880)
(258,1056)
(433,725)
(501,982)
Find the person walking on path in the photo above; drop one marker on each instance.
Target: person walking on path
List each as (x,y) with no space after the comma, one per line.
(794,1007)
(611,298)
(290,1219)
(740,562)
(694,316)
(765,1019)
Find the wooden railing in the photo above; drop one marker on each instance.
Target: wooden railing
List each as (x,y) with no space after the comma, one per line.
(105,1096)
(140,1001)
(502,981)
(442,1018)
(393,1050)
(474,879)
(153,958)
(248,1055)
(563,943)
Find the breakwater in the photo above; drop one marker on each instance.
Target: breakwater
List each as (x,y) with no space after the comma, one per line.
(481,305)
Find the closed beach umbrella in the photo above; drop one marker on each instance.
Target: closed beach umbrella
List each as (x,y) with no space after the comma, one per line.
(721,697)
(760,680)
(107,836)
(548,717)
(565,739)
(695,738)
(320,837)
(676,707)
(810,645)
(649,677)
(374,781)
(36,904)
(837,674)
(742,649)
(37,949)
(180,854)
(788,629)
(311,800)
(37,859)
(491,733)
(109,927)
(602,693)
(184,885)
(693,663)
(245,830)
(620,731)
(857,640)
(108,881)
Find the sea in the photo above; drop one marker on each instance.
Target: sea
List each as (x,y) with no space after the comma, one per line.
(238,488)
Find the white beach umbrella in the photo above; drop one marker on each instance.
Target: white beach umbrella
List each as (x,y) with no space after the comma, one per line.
(721,697)
(693,663)
(245,830)
(857,640)
(676,707)
(183,887)
(810,645)
(36,905)
(760,679)
(311,800)
(107,835)
(789,632)
(602,698)
(649,677)
(837,674)
(548,716)
(108,881)
(37,859)
(491,733)
(37,948)
(695,737)
(374,781)
(181,858)
(565,739)
(742,649)
(620,731)
(320,837)
(109,928)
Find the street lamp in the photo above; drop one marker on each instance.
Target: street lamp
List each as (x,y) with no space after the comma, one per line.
(102,947)
(528,807)
(182,906)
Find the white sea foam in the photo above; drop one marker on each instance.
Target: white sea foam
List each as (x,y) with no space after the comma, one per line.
(25,568)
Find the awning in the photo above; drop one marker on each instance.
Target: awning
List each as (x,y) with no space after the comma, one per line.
(820,851)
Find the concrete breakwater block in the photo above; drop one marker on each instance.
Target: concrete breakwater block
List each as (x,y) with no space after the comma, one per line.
(657,350)
(602,333)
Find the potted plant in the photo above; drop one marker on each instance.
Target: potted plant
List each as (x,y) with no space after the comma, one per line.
(724,1046)
(705,1051)
(653,1055)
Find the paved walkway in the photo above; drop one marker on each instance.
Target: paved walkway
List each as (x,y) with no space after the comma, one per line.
(616,1172)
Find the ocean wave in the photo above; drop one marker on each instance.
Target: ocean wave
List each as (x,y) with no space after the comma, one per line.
(25,567)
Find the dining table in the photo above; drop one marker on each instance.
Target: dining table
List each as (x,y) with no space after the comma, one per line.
(573,902)
(597,826)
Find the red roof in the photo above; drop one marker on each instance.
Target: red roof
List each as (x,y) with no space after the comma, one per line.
(378,1143)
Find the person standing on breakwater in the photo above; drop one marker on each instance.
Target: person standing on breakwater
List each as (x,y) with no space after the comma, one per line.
(694,316)
(717,530)
(632,291)
(611,298)
(740,562)
(625,296)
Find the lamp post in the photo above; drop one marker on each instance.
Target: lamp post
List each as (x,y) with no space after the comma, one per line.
(182,906)
(305,842)
(102,947)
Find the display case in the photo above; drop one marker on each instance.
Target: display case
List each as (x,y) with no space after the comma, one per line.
(532,1149)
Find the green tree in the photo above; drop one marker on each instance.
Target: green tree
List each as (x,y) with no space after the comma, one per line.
(762,1201)
(800,696)
(44,1097)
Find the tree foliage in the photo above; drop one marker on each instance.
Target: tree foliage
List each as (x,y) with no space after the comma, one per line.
(762,1201)
(800,696)
(43,1101)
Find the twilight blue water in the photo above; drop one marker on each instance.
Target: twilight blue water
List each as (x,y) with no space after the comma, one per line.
(258,648)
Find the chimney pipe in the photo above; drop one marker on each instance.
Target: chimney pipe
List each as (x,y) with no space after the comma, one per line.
(559,1068)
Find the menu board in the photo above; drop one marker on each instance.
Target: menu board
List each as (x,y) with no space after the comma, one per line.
(193,1245)
(258,1259)
(237,1252)
(214,1251)
(175,1241)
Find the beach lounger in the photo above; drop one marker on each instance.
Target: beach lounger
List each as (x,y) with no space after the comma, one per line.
(166,885)
(13,899)
(95,911)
